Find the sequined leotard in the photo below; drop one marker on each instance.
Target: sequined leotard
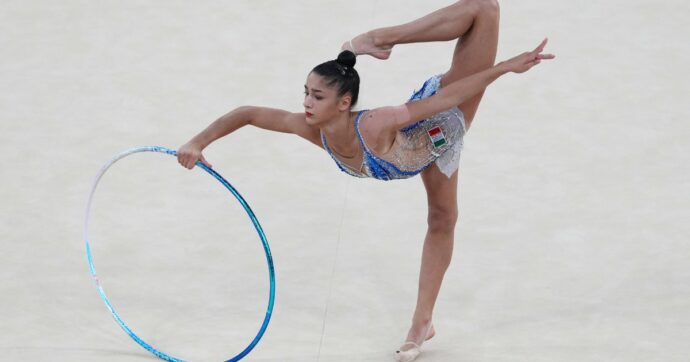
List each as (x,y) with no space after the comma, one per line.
(438,138)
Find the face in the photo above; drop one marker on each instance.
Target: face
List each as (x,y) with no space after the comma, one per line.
(321,102)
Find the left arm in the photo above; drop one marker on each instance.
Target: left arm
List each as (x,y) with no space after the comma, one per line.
(453,94)
(460,91)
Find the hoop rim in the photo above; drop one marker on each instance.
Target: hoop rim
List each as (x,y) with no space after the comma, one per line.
(248,210)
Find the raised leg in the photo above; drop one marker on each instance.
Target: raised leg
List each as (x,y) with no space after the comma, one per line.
(474,52)
(445,24)
(473,22)
(437,251)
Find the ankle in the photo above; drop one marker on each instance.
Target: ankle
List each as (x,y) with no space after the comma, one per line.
(421,322)
(380,39)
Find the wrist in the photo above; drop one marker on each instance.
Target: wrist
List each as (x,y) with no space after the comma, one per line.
(198,142)
(502,68)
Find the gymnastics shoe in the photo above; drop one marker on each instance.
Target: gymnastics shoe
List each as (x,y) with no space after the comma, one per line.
(376,53)
(412,353)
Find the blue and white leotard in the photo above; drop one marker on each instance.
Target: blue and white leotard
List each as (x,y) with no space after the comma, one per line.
(416,146)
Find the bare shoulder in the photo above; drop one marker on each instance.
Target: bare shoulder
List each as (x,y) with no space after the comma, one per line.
(385,119)
(380,126)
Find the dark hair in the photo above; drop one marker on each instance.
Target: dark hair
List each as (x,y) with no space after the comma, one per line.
(341,73)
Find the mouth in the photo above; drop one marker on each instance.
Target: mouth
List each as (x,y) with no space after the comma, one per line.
(308,114)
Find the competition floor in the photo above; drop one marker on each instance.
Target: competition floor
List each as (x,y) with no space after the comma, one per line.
(572,243)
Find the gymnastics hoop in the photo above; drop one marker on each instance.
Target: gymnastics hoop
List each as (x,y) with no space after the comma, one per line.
(246,207)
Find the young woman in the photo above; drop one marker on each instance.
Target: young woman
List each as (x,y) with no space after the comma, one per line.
(423,136)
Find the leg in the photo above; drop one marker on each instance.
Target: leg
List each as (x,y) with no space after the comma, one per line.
(476,51)
(438,248)
(444,24)
(476,21)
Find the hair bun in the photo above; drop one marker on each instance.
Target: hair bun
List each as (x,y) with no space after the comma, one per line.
(347,58)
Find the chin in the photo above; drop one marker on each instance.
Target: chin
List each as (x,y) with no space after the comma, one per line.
(312,121)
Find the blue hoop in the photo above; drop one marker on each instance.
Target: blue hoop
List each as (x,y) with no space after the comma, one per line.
(244,204)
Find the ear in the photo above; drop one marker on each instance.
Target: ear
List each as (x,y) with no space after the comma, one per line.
(344,103)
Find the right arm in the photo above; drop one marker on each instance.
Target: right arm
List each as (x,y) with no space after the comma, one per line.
(266,118)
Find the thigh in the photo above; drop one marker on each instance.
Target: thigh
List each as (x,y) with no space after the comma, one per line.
(474,52)
(442,194)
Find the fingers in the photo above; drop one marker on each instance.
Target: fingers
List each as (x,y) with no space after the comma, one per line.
(189,159)
(541,56)
(203,160)
(186,159)
(190,162)
(541,46)
(536,53)
(527,60)
(181,157)
(532,63)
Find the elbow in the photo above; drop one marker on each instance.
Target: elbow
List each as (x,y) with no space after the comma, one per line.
(246,113)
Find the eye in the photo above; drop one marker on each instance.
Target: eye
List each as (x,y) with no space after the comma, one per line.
(318,98)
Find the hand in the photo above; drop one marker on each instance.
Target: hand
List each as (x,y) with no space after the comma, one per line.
(189,153)
(527,60)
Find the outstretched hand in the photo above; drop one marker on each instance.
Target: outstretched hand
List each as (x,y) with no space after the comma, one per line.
(527,60)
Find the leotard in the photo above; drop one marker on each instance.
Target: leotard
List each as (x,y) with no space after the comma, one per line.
(438,139)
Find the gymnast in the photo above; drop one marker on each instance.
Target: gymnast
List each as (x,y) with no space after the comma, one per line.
(422,136)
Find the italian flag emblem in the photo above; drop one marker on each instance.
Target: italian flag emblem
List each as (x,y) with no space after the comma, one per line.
(437,137)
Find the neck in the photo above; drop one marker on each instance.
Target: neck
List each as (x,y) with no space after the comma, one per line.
(341,135)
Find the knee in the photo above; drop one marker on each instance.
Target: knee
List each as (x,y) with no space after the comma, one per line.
(442,219)
(489,7)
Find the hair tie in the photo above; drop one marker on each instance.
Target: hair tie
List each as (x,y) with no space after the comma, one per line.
(343,69)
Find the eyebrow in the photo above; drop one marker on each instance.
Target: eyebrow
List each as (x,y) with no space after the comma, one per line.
(313,89)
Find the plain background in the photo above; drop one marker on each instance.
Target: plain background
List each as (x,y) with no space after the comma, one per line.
(572,243)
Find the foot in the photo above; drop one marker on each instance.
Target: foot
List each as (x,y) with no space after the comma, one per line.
(415,338)
(365,44)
